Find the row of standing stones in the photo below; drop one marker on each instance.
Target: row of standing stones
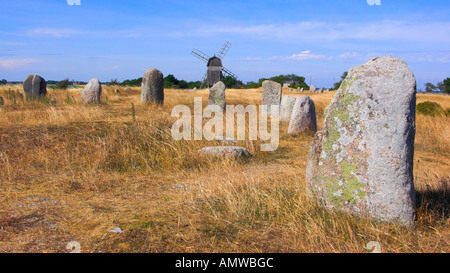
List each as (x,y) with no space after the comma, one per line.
(152,88)
(361,162)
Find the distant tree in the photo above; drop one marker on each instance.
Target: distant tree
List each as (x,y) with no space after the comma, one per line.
(338,84)
(113,82)
(229,81)
(4,81)
(446,87)
(171,82)
(440,86)
(62,84)
(182,84)
(135,82)
(429,87)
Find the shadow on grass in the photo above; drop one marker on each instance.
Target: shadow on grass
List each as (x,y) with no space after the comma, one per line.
(435,201)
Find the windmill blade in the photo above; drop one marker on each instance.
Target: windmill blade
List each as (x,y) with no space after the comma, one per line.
(224,50)
(202,56)
(205,76)
(229,73)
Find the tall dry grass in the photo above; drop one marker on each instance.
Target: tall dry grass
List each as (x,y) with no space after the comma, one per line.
(72,171)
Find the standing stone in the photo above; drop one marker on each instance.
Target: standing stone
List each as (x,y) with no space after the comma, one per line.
(217,95)
(301,90)
(320,90)
(312,88)
(35,86)
(287,104)
(303,116)
(271,94)
(152,87)
(92,91)
(362,162)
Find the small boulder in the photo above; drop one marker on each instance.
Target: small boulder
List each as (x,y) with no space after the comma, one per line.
(226,151)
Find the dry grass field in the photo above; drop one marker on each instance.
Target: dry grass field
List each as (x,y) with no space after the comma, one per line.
(72,172)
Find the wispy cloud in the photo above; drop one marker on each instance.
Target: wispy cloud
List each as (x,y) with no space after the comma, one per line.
(302,56)
(16,63)
(53,32)
(316,30)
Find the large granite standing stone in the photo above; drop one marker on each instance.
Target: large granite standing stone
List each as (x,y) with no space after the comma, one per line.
(217,95)
(312,88)
(362,162)
(287,104)
(303,116)
(92,91)
(152,87)
(35,86)
(271,94)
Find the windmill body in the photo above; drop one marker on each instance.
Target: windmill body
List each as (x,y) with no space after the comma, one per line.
(215,70)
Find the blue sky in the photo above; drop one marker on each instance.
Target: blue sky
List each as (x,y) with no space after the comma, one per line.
(317,39)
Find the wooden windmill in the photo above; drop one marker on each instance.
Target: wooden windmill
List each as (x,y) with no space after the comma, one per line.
(215,69)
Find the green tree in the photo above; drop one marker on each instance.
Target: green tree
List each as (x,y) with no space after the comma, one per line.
(113,82)
(338,84)
(64,84)
(446,86)
(134,82)
(229,81)
(4,81)
(171,82)
(429,87)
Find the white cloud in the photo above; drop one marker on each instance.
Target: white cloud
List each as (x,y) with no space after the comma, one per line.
(303,56)
(53,32)
(315,30)
(16,63)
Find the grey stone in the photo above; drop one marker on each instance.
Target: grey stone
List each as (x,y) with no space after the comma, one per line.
(271,94)
(287,104)
(35,86)
(92,91)
(226,151)
(116,91)
(116,230)
(217,95)
(362,162)
(152,87)
(312,88)
(127,89)
(320,90)
(303,116)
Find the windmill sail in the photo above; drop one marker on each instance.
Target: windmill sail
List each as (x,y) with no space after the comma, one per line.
(202,56)
(224,50)
(229,73)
